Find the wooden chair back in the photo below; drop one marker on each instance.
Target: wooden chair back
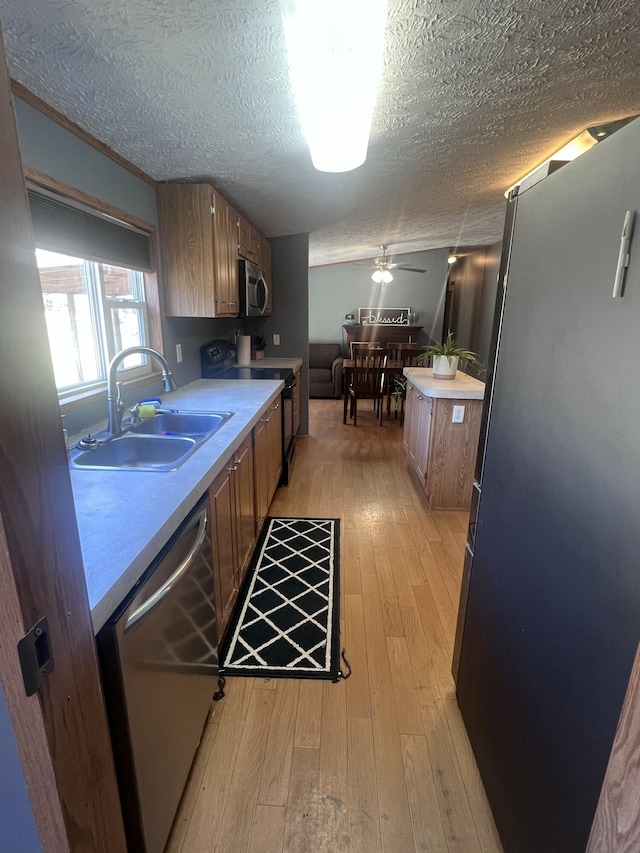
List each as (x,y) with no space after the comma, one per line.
(359,345)
(405,352)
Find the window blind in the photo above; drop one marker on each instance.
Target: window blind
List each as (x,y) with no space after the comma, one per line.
(71,229)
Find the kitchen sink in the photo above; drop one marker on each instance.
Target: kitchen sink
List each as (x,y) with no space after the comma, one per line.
(193,424)
(159,443)
(138,452)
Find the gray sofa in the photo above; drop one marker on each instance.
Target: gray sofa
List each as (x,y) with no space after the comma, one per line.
(325,370)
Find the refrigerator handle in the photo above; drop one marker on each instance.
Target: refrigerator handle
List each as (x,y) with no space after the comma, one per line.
(140,612)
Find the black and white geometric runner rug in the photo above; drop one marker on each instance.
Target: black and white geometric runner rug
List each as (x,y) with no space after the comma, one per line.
(288,621)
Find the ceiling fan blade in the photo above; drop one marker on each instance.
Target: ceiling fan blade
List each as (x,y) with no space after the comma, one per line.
(405,268)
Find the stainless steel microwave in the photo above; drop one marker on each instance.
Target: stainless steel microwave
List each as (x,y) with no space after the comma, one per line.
(254,293)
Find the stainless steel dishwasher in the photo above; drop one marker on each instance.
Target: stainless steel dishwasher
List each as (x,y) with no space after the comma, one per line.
(159,660)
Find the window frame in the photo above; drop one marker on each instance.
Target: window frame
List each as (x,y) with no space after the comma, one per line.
(97,391)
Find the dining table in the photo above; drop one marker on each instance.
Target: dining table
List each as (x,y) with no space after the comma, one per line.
(392,368)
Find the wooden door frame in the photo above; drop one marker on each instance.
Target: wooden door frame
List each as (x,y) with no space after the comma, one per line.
(616,825)
(61,732)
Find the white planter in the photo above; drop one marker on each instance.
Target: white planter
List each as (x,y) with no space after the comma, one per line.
(444,366)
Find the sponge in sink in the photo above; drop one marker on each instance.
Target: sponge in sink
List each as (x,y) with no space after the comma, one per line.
(146,410)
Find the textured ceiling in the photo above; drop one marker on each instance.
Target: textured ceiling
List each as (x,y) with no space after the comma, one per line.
(473,95)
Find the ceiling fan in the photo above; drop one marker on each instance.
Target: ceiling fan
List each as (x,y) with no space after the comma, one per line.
(382,267)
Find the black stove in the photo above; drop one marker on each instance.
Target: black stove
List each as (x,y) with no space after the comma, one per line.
(236,372)
(217,360)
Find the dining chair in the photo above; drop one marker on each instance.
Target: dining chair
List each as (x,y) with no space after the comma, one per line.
(407,354)
(365,381)
(359,345)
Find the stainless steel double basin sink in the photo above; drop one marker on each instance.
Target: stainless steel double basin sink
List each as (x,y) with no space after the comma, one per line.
(159,443)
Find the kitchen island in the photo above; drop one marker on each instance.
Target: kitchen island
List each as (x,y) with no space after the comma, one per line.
(441,430)
(125,517)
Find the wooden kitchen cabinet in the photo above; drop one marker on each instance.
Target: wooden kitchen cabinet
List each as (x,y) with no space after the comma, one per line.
(441,454)
(223,519)
(233,529)
(197,237)
(296,403)
(267,459)
(245,506)
(417,430)
(265,266)
(248,241)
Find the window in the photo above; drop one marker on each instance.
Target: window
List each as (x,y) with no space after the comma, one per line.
(93,310)
(98,287)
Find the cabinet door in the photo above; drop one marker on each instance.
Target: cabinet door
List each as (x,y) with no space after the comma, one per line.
(423,412)
(223,520)
(296,404)
(265,266)
(409,417)
(274,442)
(226,294)
(245,506)
(232,255)
(188,245)
(247,240)
(261,470)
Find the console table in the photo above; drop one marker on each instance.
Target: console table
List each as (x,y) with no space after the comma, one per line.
(380,333)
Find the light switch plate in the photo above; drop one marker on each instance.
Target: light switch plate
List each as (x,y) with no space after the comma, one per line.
(178,353)
(276,340)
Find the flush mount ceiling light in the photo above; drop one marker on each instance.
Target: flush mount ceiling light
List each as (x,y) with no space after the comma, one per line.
(335,52)
(451,259)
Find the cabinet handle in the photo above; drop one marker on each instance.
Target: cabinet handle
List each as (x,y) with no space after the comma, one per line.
(235,468)
(275,406)
(264,420)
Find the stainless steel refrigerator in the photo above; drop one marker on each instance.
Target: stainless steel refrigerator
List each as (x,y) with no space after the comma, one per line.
(552,619)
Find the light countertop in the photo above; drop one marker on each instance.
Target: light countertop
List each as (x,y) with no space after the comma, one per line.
(292,363)
(126,517)
(463,387)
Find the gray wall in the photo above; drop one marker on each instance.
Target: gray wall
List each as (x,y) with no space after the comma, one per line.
(474,295)
(17,822)
(290,318)
(341,289)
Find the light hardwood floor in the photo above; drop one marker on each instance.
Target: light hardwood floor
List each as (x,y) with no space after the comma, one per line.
(380,762)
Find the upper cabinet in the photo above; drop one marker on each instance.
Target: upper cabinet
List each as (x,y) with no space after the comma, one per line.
(248,241)
(201,238)
(199,262)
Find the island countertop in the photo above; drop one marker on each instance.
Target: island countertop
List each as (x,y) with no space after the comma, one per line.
(463,387)
(126,517)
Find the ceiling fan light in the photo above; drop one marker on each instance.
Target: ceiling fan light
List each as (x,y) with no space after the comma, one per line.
(377,276)
(451,259)
(386,276)
(335,53)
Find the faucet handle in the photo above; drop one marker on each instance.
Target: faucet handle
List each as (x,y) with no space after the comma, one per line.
(119,400)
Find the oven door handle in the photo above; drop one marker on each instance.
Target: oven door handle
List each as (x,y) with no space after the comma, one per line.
(152,602)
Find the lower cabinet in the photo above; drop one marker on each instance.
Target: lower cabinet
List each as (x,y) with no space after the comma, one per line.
(267,459)
(296,404)
(239,500)
(233,528)
(442,454)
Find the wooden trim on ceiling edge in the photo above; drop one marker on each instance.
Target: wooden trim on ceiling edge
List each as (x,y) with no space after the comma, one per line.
(26,95)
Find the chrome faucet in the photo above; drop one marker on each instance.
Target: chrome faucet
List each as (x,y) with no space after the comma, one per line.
(114,389)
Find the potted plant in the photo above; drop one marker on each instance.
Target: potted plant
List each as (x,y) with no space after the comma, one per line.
(259,344)
(446,357)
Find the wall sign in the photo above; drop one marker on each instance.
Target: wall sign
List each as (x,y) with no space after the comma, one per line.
(384,316)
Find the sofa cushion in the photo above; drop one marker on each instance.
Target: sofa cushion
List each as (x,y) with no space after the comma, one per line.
(320,374)
(322,355)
